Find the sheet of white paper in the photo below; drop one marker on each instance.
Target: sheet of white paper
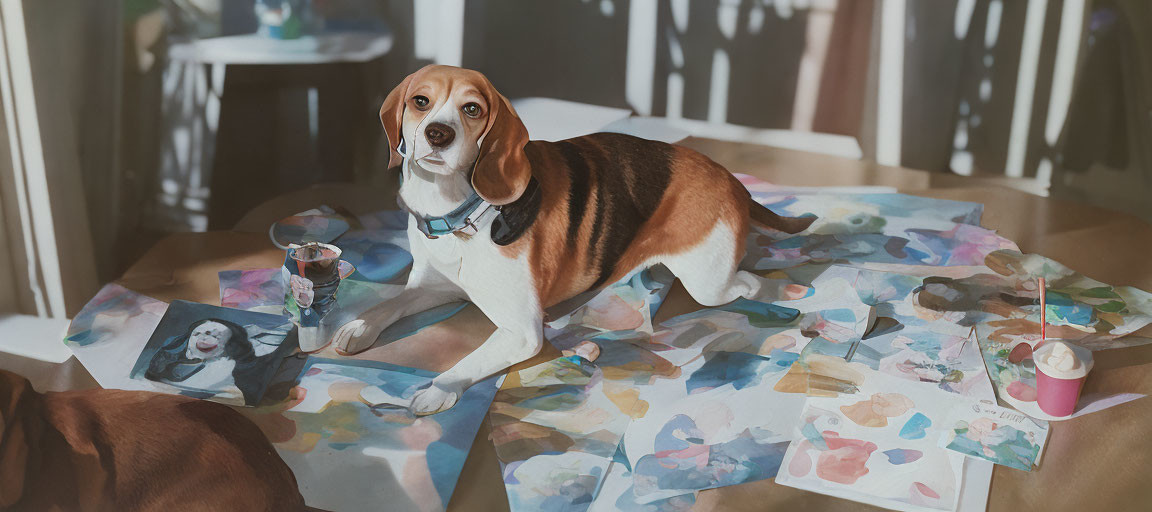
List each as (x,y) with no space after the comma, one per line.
(553,120)
(977,485)
(653,128)
(877,446)
(1087,404)
(108,334)
(702,433)
(616,494)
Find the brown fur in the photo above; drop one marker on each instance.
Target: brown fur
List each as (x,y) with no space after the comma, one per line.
(502,170)
(699,194)
(571,245)
(679,223)
(132,450)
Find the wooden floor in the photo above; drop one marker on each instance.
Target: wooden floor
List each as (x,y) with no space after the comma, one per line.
(1097,462)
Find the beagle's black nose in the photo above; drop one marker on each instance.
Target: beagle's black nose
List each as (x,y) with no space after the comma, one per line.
(439,134)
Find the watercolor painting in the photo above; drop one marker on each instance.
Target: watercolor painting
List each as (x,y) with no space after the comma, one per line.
(694,434)
(112,329)
(695,360)
(851,207)
(629,304)
(695,449)
(1079,309)
(221,354)
(1013,372)
(831,307)
(878,446)
(996,434)
(349,455)
(905,337)
(1075,300)
(379,256)
(617,493)
(555,430)
(260,290)
(742,326)
(957,245)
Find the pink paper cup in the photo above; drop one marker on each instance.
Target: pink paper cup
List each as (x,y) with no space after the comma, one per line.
(1056,396)
(1058,388)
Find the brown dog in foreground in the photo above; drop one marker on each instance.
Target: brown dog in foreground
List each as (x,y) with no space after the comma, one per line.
(133,450)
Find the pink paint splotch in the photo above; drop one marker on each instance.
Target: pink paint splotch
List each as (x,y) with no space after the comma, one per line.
(920,494)
(843,462)
(1022,391)
(613,313)
(801,464)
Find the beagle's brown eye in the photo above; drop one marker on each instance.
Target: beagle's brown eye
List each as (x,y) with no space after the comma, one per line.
(421,102)
(471,110)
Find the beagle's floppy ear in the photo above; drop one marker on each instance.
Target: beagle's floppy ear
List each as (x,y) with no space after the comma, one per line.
(16,396)
(392,117)
(502,169)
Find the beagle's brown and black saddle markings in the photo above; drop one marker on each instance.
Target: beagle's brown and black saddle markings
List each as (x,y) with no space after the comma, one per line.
(611,202)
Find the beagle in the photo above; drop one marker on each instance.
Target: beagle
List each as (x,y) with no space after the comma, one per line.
(133,450)
(517,226)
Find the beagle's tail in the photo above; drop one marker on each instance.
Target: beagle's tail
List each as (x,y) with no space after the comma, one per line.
(763,216)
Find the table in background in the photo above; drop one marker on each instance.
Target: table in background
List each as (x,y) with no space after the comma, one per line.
(291,113)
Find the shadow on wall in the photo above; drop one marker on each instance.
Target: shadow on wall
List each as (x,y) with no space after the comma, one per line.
(572,49)
(1103,156)
(743,62)
(734,62)
(728,62)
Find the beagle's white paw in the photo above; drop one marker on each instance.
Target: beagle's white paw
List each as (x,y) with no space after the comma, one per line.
(435,398)
(353,337)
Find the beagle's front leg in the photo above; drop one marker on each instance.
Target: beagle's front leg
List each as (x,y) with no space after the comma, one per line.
(425,290)
(360,334)
(505,347)
(503,289)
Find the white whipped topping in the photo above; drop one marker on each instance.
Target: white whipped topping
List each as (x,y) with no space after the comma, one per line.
(1062,360)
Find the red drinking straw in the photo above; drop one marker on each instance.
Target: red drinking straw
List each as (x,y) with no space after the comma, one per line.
(1043,310)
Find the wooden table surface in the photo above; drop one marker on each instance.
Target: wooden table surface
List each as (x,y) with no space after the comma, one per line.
(1100,461)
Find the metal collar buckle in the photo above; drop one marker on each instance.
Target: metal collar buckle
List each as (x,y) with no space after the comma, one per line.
(469,227)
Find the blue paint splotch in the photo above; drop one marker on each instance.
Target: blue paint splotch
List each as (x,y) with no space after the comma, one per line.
(737,368)
(900,456)
(682,460)
(916,427)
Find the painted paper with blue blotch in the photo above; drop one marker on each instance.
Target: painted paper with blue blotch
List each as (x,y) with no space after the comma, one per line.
(739,369)
(1062,308)
(761,314)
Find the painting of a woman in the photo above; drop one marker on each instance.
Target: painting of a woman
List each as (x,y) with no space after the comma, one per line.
(212,355)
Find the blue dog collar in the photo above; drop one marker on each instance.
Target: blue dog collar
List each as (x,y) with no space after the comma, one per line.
(460,219)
